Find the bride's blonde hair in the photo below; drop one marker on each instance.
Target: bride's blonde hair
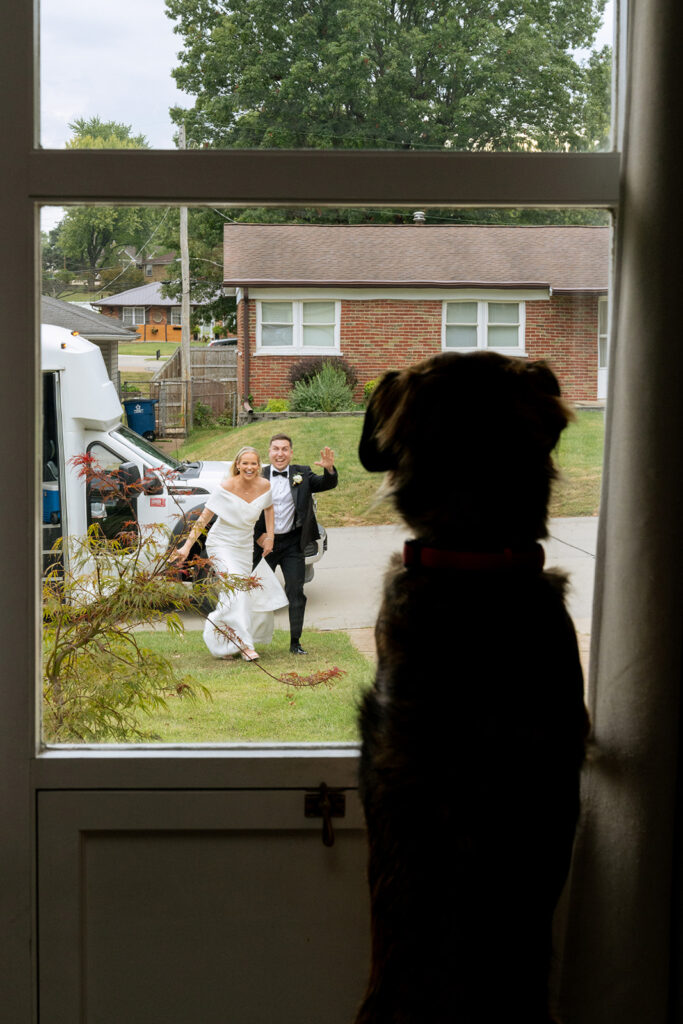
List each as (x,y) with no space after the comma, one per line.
(234,468)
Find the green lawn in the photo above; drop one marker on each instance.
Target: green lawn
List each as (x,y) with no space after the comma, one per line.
(147,348)
(578,458)
(354,502)
(249,706)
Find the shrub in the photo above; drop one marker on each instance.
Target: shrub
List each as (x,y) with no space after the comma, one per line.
(277,405)
(306,369)
(203,416)
(327,391)
(368,388)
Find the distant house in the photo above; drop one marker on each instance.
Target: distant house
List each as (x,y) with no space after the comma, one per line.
(153,315)
(386,296)
(101,330)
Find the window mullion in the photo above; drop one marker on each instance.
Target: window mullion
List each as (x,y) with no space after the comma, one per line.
(336,178)
(298,320)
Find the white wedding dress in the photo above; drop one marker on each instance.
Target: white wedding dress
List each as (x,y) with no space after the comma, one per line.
(230,545)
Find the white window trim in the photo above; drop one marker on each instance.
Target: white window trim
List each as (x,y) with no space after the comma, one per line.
(176,311)
(298,348)
(482,325)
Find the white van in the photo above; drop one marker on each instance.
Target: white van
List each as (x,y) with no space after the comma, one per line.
(82,415)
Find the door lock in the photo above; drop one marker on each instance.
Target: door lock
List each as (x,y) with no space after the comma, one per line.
(325,803)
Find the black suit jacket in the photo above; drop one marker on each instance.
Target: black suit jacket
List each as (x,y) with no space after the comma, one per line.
(302,493)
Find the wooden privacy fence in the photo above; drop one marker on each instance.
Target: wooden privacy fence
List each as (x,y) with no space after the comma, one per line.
(214,390)
(217,362)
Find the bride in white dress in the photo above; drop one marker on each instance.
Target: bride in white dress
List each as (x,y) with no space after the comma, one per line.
(237,504)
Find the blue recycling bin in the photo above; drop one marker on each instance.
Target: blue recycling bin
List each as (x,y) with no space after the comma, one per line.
(141,417)
(51,512)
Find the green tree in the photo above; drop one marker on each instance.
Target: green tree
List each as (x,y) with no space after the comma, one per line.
(205,245)
(97,134)
(392,75)
(91,238)
(58,272)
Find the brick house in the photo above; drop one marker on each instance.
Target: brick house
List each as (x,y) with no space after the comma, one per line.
(154,316)
(385,296)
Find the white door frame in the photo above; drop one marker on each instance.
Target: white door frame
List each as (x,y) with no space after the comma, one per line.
(32,176)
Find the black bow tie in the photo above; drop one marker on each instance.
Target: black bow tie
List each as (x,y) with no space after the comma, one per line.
(276,472)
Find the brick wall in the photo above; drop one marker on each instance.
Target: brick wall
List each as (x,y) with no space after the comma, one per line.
(565,332)
(156,330)
(392,334)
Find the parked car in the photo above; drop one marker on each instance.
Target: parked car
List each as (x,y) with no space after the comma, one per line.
(219,342)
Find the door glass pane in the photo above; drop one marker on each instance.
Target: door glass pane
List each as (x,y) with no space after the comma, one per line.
(445,76)
(121,458)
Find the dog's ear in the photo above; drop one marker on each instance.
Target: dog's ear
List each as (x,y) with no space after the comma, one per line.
(373,454)
(544,377)
(553,412)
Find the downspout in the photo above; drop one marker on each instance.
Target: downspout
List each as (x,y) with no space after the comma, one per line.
(246,348)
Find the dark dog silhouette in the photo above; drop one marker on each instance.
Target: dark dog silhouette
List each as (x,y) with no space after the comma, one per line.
(473,735)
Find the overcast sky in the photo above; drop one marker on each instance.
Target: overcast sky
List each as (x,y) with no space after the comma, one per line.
(115,61)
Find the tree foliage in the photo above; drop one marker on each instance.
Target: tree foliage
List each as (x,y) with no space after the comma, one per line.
(91,239)
(413,74)
(97,134)
(205,247)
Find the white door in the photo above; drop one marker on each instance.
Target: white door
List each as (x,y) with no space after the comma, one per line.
(174,884)
(603,346)
(213,906)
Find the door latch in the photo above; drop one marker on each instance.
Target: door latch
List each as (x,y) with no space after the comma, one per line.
(325,803)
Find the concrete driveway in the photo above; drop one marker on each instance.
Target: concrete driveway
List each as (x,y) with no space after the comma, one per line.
(345,592)
(141,364)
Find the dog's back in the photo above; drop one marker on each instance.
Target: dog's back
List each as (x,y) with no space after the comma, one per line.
(472,742)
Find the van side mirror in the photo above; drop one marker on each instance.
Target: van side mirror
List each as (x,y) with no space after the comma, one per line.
(151,484)
(129,476)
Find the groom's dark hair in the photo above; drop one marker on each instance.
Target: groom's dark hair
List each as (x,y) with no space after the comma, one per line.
(281,437)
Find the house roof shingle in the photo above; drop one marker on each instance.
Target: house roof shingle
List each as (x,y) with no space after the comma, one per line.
(90,324)
(144,295)
(565,258)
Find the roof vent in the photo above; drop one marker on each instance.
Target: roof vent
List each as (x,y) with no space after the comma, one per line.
(419,217)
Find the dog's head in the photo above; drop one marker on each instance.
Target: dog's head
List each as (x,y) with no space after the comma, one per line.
(467,439)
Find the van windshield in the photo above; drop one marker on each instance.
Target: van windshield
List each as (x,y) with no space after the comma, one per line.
(147,447)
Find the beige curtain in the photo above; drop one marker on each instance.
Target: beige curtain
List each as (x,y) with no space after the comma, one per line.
(621,961)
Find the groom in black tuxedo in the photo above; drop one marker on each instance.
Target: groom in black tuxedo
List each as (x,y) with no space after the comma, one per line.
(295,523)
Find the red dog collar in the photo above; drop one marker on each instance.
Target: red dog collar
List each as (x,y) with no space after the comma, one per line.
(416,555)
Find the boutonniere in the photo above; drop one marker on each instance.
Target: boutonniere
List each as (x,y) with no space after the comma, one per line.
(296,479)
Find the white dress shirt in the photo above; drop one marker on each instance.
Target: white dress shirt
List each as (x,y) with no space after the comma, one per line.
(283,502)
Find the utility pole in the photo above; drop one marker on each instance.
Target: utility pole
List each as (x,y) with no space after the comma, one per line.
(185,366)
